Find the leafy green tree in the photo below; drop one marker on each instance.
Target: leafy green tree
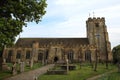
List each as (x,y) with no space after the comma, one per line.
(116,54)
(14,14)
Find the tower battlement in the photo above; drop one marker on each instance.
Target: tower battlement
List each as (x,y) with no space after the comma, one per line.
(96,19)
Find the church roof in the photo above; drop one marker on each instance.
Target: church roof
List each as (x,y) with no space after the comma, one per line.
(27,42)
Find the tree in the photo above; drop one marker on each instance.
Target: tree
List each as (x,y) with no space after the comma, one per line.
(116,56)
(14,14)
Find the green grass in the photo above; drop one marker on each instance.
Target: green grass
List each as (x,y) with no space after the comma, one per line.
(5,74)
(112,76)
(35,66)
(79,74)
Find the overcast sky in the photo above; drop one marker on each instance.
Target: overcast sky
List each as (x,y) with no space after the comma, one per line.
(67,18)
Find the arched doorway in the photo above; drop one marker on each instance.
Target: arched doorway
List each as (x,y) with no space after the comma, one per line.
(88,55)
(56,59)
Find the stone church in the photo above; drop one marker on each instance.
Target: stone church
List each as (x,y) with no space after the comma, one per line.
(51,50)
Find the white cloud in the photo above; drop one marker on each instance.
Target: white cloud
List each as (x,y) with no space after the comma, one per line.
(114,34)
(71,16)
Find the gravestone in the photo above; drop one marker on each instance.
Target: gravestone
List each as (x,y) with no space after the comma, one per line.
(4,60)
(67,65)
(70,67)
(22,65)
(31,63)
(18,61)
(14,70)
(35,78)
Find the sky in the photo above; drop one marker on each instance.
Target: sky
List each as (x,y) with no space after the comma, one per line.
(67,18)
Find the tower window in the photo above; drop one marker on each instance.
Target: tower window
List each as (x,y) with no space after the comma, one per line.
(97,24)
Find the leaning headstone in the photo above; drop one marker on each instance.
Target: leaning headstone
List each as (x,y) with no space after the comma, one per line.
(67,65)
(14,70)
(22,65)
(4,60)
(31,63)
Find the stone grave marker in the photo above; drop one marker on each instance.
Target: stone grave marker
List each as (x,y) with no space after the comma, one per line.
(14,69)
(31,63)
(18,61)
(22,66)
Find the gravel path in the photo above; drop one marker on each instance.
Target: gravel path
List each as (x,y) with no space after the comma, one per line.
(31,74)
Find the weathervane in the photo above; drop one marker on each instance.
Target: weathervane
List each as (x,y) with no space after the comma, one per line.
(93,14)
(89,14)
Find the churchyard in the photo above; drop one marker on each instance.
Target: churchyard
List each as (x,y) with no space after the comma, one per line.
(61,70)
(77,72)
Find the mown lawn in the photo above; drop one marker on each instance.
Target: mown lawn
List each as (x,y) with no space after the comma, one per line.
(35,66)
(112,76)
(5,74)
(79,74)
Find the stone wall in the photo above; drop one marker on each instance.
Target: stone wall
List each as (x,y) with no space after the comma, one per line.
(74,53)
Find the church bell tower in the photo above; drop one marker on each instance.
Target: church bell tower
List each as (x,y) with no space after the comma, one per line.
(98,35)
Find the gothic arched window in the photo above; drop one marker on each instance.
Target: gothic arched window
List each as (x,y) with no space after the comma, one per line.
(88,55)
(18,56)
(70,55)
